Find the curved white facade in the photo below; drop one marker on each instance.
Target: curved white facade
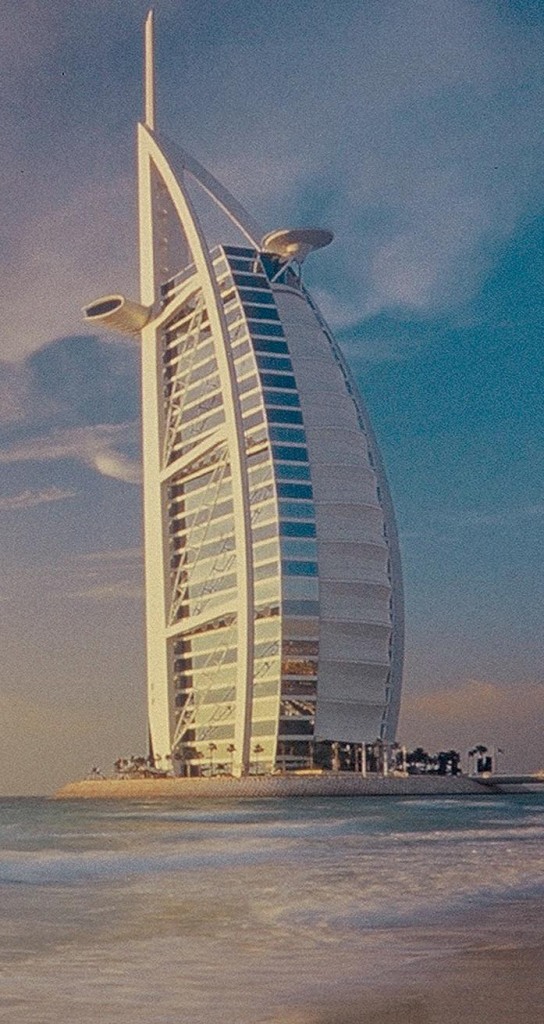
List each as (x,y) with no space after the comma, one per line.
(273,587)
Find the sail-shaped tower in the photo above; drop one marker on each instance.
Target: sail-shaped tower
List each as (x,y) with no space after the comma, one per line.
(272,572)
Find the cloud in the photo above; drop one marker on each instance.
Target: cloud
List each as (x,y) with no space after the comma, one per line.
(93,445)
(29,499)
(444,523)
(419,150)
(76,398)
(506,517)
(106,575)
(479,711)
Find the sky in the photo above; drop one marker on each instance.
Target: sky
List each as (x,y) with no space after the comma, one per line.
(412,129)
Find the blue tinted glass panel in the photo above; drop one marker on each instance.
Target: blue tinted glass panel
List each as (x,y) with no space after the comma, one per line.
(295,491)
(302,609)
(265,345)
(262,312)
(297,510)
(282,398)
(274,363)
(251,281)
(241,264)
(261,297)
(267,330)
(284,471)
(278,380)
(284,416)
(288,434)
(299,550)
(238,250)
(297,529)
(299,568)
(290,453)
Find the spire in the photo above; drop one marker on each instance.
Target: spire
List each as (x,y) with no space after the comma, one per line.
(149,75)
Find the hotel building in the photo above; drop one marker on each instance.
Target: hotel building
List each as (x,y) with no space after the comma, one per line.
(273,584)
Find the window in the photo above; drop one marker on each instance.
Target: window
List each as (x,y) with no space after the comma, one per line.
(303,647)
(250,401)
(296,727)
(295,491)
(269,688)
(262,572)
(301,608)
(273,362)
(284,416)
(238,251)
(297,510)
(234,314)
(241,349)
(253,419)
(264,532)
(248,295)
(261,312)
(279,380)
(297,529)
(299,568)
(266,330)
(288,434)
(262,729)
(247,385)
(292,472)
(300,550)
(290,453)
(245,366)
(269,345)
(281,397)
(251,280)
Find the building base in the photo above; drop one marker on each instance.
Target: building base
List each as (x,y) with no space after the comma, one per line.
(341,784)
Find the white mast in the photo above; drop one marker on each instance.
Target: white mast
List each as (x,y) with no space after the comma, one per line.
(149,74)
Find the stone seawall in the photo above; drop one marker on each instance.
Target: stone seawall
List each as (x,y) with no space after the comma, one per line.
(251,787)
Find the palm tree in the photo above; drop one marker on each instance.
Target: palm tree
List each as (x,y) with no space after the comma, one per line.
(211,747)
(257,749)
(231,749)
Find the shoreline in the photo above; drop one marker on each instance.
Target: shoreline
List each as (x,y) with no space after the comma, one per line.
(274,786)
(483,965)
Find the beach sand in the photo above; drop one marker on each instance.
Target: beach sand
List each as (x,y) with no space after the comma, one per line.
(480,968)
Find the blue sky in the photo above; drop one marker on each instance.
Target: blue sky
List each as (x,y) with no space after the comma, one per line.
(414,131)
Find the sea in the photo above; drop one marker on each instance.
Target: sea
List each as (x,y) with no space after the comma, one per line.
(249,911)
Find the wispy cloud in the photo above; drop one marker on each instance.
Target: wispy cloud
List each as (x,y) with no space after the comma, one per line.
(93,445)
(443,524)
(29,499)
(409,151)
(504,517)
(108,575)
(415,148)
